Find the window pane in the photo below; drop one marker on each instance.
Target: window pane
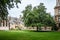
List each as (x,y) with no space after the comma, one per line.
(59,11)
(59,19)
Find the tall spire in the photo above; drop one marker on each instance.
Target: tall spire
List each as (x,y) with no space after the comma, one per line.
(57,2)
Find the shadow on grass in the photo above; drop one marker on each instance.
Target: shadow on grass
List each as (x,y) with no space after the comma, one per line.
(43,31)
(26,31)
(38,31)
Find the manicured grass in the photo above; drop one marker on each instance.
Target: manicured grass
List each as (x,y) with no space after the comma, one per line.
(27,35)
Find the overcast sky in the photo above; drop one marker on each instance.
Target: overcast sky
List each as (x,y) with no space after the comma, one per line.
(49,4)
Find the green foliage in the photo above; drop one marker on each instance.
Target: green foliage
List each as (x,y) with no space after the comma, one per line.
(37,16)
(26,13)
(4,4)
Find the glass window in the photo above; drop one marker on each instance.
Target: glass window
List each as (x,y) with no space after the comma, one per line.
(58,2)
(59,11)
(59,19)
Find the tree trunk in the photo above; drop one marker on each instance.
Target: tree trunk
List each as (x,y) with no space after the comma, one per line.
(3,23)
(37,28)
(6,22)
(9,26)
(0,22)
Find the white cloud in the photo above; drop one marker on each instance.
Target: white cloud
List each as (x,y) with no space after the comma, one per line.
(15,12)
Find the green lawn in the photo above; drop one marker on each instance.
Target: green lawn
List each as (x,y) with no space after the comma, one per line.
(27,35)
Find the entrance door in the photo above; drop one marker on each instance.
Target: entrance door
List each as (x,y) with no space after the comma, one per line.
(59,24)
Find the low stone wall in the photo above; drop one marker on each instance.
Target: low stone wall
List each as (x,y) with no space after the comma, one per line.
(31,28)
(4,28)
(42,28)
(46,29)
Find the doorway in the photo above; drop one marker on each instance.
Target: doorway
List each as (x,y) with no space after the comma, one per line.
(59,24)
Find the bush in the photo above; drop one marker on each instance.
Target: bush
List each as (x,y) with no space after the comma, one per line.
(12,29)
(55,28)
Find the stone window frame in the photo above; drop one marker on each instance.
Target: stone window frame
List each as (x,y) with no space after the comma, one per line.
(59,18)
(59,11)
(58,3)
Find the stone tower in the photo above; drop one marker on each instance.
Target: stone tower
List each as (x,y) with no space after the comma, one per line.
(57,13)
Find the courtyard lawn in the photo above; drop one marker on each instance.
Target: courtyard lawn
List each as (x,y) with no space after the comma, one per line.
(27,35)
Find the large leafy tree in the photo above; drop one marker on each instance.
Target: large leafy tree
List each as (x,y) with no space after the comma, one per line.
(4,4)
(37,16)
(26,13)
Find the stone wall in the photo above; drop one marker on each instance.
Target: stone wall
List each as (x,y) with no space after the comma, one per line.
(4,28)
(42,28)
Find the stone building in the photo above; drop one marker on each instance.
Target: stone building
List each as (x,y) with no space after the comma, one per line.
(16,23)
(57,13)
(4,25)
(11,23)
